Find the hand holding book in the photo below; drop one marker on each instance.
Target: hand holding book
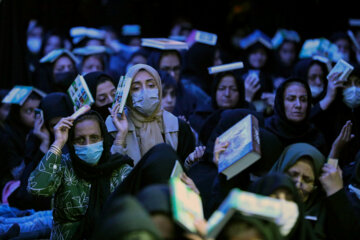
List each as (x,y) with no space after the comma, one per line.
(121,123)
(219,148)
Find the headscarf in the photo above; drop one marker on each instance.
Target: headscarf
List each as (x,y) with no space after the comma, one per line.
(156,199)
(56,104)
(93,79)
(239,84)
(125,216)
(290,132)
(146,132)
(274,181)
(290,155)
(98,175)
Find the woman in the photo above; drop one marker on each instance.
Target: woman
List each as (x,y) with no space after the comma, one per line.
(281,186)
(290,120)
(37,144)
(313,177)
(18,124)
(103,89)
(145,124)
(227,93)
(56,71)
(82,180)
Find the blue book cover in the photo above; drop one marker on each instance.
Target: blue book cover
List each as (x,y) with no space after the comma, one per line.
(19,94)
(243,149)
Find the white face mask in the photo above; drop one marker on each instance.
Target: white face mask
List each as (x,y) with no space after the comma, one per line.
(351,96)
(315,90)
(34,44)
(146,101)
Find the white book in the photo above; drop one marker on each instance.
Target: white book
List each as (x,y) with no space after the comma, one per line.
(354,22)
(343,67)
(353,39)
(163,44)
(226,67)
(177,170)
(206,38)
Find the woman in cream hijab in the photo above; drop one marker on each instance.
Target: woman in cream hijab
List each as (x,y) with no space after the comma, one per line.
(144,123)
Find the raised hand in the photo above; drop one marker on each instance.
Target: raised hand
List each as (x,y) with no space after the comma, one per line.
(61,131)
(344,137)
(194,156)
(331,179)
(334,83)
(121,123)
(252,85)
(41,132)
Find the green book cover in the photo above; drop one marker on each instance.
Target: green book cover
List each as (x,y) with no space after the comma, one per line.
(79,93)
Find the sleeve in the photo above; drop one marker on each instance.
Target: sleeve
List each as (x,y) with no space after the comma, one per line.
(46,178)
(341,220)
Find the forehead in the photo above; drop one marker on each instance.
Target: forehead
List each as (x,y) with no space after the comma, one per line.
(63,60)
(93,60)
(315,67)
(87,127)
(169,60)
(31,103)
(104,87)
(303,165)
(295,88)
(142,75)
(227,80)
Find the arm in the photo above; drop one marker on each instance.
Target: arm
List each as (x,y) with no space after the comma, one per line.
(334,83)
(46,178)
(121,123)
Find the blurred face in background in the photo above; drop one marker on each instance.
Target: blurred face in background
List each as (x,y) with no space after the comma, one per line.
(168,99)
(4,111)
(63,64)
(105,93)
(343,45)
(170,63)
(287,53)
(91,64)
(258,58)
(52,43)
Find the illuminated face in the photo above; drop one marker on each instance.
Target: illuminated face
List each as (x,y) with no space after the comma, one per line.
(87,132)
(295,102)
(142,81)
(105,93)
(170,63)
(227,93)
(302,173)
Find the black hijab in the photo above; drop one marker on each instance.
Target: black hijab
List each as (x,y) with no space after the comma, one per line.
(125,216)
(98,175)
(274,181)
(93,79)
(289,132)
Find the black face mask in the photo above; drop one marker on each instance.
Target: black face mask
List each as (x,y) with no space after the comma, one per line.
(103,111)
(63,80)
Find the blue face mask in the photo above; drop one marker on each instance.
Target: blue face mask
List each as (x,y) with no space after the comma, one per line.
(91,153)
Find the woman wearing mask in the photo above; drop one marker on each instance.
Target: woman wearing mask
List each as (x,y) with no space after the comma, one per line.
(320,187)
(82,180)
(103,90)
(145,124)
(56,71)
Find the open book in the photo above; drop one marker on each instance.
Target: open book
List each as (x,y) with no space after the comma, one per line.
(243,149)
(19,94)
(79,93)
(254,37)
(279,211)
(163,43)
(320,46)
(122,92)
(283,34)
(186,204)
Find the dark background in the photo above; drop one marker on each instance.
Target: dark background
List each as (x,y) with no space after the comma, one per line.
(311,18)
